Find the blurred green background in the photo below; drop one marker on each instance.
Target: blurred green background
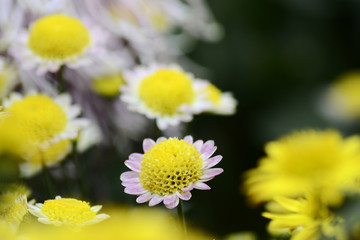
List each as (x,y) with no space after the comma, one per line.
(277,56)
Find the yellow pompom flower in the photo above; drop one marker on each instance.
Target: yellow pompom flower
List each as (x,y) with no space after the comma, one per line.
(45,128)
(55,40)
(342,99)
(322,161)
(304,219)
(165,93)
(67,211)
(107,85)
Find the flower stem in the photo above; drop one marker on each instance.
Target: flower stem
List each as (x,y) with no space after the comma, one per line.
(181,216)
(46,180)
(79,170)
(66,176)
(61,79)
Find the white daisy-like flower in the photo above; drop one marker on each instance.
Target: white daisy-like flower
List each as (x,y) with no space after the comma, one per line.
(55,40)
(67,212)
(47,127)
(165,93)
(169,169)
(11,20)
(42,7)
(8,77)
(223,103)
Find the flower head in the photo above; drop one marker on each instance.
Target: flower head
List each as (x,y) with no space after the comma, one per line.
(167,94)
(67,211)
(7,78)
(169,169)
(305,219)
(13,208)
(322,161)
(52,41)
(45,127)
(221,102)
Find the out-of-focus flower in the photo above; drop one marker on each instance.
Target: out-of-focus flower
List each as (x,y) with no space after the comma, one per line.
(13,208)
(11,19)
(15,188)
(7,78)
(305,219)
(7,232)
(43,7)
(165,93)
(342,98)
(322,161)
(169,169)
(124,223)
(53,41)
(89,136)
(45,128)
(222,102)
(67,211)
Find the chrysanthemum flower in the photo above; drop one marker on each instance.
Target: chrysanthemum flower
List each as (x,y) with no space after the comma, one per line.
(13,208)
(108,85)
(67,211)
(7,78)
(222,103)
(53,41)
(304,219)
(165,93)
(169,169)
(342,99)
(46,126)
(322,161)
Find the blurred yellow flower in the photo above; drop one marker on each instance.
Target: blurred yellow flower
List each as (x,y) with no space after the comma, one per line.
(304,219)
(13,208)
(6,232)
(320,160)
(107,85)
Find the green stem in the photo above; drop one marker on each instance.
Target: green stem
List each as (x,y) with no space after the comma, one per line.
(46,180)
(181,216)
(61,79)
(66,176)
(79,170)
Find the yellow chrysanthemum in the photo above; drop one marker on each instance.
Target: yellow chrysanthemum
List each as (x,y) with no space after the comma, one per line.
(305,160)
(68,212)
(13,208)
(304,219)
(127,224)
(343,97)
(108,85)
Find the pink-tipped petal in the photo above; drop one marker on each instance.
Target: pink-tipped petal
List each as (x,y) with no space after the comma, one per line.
(212,161)
(189,139)
(208,152)
(198,144)
(135,190)
(144,197)
(188,188)
(160,139)
(129,175)
(130,183)
(171,201)
(210,173)
(136,157)
(184,196)
(133,165)
(201,186)
(148,144)
(156,199)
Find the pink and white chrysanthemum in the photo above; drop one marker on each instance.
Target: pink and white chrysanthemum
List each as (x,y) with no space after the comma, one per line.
(169,169)
(165,93)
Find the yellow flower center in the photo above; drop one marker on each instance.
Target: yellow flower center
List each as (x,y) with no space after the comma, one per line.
(166,90)
(12,208)
(213,94)
(108,85)
(52,153)
(58,36)
(39,117)
(170,166)
(68,210)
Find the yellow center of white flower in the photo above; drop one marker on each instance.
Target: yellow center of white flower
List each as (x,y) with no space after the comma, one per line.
(213,94)
(68,210)
(40,117)
(166,90)
(108,85)
(170,166)
(58,37)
